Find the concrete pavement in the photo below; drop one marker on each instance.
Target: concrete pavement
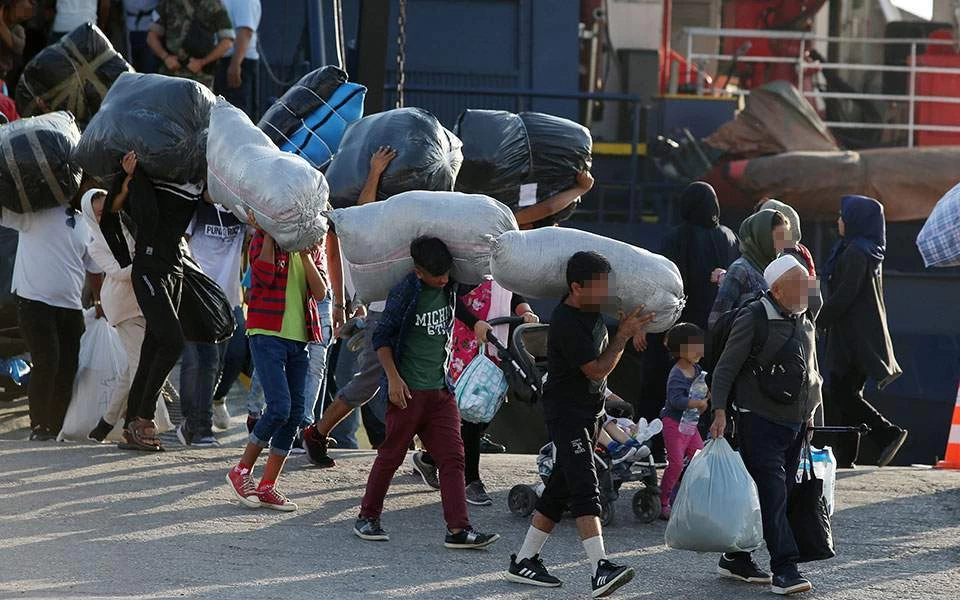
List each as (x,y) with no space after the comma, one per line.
(85,521)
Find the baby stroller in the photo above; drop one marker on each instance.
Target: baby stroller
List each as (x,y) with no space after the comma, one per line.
(525,365)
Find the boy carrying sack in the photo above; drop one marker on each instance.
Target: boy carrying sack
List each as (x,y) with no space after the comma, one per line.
(412,340)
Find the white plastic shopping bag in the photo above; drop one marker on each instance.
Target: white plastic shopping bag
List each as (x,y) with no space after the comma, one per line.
(480,390)
(717,507)
(825,468)
(102,362)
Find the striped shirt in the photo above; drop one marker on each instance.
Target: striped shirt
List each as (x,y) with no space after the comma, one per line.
(268,294)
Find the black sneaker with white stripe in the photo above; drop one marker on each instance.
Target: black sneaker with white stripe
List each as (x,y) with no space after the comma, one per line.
(609,578)
(531,572)
(469,539)
(370,530)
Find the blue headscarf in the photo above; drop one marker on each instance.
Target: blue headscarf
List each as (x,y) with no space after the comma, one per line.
(864,229)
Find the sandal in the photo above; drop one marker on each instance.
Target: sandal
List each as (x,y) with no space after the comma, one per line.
(141,434)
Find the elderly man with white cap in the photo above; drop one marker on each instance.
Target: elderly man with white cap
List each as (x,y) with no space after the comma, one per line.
(767,375)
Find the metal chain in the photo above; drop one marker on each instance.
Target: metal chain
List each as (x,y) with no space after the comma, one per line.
(401,51)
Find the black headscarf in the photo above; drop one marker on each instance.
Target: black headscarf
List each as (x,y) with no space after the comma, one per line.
(698,246)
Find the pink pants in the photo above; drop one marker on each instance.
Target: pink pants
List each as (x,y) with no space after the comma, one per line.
(679,446)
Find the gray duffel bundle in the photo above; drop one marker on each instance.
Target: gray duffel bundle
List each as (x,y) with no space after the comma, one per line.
(246,172)
(533,264)
(375,238)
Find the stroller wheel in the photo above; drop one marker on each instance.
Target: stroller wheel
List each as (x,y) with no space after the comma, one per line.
(646,504)
(608,512)
(521,500)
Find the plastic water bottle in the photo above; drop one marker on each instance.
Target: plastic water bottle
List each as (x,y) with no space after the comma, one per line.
(691,416)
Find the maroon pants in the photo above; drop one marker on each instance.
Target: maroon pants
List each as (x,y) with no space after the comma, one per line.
(432,415)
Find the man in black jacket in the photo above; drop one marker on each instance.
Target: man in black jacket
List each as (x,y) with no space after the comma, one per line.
(771,424)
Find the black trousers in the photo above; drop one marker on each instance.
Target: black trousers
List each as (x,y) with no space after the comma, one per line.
(848,407)
(158,294)
(573,482)
(771,453)
(52,335)
(243,97)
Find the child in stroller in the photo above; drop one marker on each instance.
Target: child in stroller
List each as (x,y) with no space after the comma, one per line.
(619,460)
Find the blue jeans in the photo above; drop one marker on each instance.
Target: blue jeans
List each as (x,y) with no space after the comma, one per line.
(199,372)
(319,354)
(234,357)
(283,366)
(771,453)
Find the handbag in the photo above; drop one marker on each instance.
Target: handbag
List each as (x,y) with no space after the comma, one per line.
(480,390)
(808,515)
(199,41)
(205,313)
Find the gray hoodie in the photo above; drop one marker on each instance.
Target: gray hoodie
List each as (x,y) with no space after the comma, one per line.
(732,384)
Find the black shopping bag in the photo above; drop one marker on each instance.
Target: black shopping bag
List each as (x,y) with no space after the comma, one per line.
(205,313)
(808,516)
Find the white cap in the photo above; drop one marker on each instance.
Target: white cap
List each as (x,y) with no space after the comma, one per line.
(780,266)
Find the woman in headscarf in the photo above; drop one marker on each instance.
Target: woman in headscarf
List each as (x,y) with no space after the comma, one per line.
(702,249)
(763,236)
(111,247)
(855,317)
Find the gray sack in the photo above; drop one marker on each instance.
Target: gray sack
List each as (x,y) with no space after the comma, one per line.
(247,172)
(533,264)
(375,238)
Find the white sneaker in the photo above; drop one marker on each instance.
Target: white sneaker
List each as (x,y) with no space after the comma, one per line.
(221,416)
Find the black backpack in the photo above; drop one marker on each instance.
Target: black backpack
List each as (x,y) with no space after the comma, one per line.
(784,376)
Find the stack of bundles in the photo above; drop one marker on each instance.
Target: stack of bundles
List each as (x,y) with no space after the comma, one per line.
(74,74)
(939,240)
(521,159)
(534,264)
(428,156)
(248,173)
(311,117)
(163,119)
(36,166)
(375,238)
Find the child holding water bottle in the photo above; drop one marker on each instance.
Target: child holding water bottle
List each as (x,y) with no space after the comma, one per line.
(686,401)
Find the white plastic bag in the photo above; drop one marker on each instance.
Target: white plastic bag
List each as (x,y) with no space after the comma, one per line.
(534,264)
(825,468)
(480,390)
(717,507)
(101,365)
(375,238)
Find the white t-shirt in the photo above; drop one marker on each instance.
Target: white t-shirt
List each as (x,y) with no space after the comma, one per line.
(74,13)
(139,14)
(216,242)
(245,13)
(52,258)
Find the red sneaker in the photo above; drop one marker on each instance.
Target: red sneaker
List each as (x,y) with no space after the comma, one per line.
(273,498)
(243,487)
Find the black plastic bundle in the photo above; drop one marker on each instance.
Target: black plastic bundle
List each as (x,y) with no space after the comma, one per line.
(163,119)
(74,74)
(37,170)
(428,156)
(503,152)
(205,312)
(302,99)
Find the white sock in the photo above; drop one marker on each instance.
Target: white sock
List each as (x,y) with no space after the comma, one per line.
(533,543)
(595,552)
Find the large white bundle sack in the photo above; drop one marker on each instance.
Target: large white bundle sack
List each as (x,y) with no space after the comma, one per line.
(247,172)
(375,238)
(534,264)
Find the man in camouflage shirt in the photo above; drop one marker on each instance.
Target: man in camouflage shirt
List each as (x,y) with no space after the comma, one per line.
(171,38)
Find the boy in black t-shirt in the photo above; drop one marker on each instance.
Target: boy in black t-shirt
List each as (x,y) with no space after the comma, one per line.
(580,357)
